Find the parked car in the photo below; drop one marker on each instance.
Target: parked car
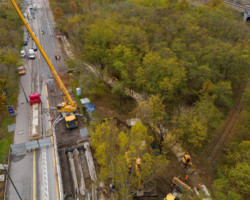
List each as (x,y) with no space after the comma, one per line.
(34,47)
(25,43)
(23,53)
(21,70)
(31,54)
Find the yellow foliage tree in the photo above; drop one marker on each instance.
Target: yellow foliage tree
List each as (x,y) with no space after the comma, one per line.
(2,102)
(73,6)
(58,12)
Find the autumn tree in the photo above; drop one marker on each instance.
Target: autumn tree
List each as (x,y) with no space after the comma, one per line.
(58,12)
(2,103)
(73,6)
(116,153)
(153,115)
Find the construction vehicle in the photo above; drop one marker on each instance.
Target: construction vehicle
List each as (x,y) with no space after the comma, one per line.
(136,162)
(67,109)
(178,187)
(35,117)
(186,160)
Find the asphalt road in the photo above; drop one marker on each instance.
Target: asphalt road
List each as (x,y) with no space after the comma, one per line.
(33,173)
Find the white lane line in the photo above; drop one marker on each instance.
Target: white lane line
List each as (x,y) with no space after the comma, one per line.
(34,175)
(45,188)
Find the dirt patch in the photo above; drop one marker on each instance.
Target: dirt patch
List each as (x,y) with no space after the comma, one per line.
(65,79)
(108,106)
(206,168)
(164,181)
(2,186)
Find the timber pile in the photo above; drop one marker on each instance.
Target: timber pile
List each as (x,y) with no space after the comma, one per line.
(180,184)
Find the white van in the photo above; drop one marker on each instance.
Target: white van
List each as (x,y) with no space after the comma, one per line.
(23,53)
(31,54)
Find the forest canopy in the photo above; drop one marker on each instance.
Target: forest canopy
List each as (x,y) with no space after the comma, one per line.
(190,60)
(161,47)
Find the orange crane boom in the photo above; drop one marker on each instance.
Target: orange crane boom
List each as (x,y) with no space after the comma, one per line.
(67,107)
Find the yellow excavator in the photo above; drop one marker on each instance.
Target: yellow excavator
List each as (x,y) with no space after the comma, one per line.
(67,109)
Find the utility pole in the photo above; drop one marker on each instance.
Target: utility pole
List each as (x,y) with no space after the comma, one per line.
(23,91)
(6,170)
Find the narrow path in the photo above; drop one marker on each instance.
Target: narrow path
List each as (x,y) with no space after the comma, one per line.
(224,134)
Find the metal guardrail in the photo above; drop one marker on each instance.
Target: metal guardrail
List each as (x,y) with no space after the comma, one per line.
(58,169)
(28,146)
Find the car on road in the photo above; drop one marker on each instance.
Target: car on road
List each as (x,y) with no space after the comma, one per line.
(31,54)
(25,43)
(21,70)
(25,14)
(34,47)
(23,53)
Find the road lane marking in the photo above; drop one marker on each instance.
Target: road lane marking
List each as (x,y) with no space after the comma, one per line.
(47,100)
(34,175)
(54,162)
(45,188)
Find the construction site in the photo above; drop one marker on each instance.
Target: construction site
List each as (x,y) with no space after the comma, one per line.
(186,175)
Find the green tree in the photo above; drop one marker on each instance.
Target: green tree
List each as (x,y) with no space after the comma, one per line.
(191,127)
(240,179)
(117,151)
(153,115)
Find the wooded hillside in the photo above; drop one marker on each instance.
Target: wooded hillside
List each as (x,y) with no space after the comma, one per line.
(188,55)
(189,60)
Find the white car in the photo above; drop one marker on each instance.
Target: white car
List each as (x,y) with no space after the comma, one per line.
(23,53)
(31,54)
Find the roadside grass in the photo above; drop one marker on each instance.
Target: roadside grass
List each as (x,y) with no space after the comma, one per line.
(6,137)
(74,85)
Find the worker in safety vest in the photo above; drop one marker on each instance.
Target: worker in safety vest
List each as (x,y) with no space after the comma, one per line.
(198,187)
(186,160)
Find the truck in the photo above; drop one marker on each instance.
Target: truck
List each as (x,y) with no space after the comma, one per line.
(35,117)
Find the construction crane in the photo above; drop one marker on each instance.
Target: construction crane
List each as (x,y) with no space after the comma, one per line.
(67,109)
